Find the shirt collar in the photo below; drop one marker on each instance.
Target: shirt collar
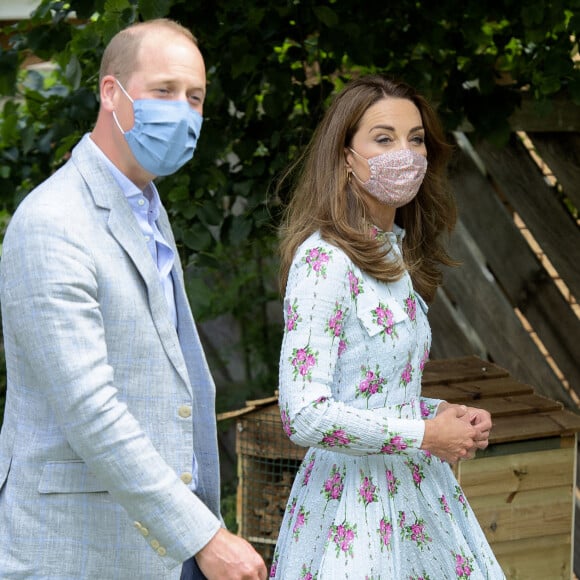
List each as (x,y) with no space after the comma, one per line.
(128,188)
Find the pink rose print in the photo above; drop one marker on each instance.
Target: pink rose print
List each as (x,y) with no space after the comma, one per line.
(273,567)
(303,360)
(301,520)
(342,536)
(334,485)
(424,359)
(354,285)
(458,496)
(319,401)
(422,576)
(292,316)
(392,483)
(334,327)
(416,471)
(396,445)
(383,317)
(292,506)
(411,307)
(371,384)
(306,574)
(406,375)
(307,472)
(367,490)
(415,532)
(337,438)
(463,565)
(402,517)
(287,423)
(317,259)
(445,506)
(427,410)
(385,532)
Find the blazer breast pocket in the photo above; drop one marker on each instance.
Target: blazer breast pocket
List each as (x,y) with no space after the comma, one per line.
(68,477)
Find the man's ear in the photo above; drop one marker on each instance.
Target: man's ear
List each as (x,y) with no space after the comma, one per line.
(108,92)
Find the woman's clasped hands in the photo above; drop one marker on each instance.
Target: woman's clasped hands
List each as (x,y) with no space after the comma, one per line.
(457,432)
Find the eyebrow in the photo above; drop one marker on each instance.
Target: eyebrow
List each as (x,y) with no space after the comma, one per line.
(390,128)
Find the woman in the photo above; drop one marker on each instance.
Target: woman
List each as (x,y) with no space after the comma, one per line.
(375,497)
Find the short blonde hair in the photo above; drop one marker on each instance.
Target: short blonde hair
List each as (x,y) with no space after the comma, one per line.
(120,57)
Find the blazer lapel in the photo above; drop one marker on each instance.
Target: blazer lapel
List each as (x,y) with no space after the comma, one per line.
(125,229)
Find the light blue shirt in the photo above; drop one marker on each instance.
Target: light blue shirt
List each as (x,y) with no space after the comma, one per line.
(145,206)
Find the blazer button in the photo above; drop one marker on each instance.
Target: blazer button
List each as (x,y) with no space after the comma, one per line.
(186,478)
(155,544)
(184,411)
(161,551)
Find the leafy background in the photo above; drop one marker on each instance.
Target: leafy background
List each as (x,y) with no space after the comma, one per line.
(272,67)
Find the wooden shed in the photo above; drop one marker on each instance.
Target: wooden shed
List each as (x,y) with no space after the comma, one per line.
(522,488)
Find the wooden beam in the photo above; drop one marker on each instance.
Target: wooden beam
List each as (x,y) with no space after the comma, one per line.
(518,270)
(477,294)
(523,185)
(561,153)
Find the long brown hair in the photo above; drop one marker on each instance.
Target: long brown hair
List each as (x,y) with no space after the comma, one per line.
(323,199)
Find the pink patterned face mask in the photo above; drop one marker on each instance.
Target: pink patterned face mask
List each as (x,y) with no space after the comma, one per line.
(395,176)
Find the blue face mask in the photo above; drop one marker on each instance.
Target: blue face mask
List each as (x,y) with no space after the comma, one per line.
(164,134)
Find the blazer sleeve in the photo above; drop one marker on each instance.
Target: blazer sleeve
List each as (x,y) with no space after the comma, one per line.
(50,287)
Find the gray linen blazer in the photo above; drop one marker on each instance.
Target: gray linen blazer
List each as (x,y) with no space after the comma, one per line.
(106,402)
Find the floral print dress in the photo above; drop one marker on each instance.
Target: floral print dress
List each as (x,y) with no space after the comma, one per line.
(367,503)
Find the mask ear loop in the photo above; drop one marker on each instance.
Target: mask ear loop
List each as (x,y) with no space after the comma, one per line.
(114,112)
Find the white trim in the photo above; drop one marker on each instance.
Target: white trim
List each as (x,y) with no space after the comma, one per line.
(17,9)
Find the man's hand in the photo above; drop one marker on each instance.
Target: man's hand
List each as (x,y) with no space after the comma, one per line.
(229,557)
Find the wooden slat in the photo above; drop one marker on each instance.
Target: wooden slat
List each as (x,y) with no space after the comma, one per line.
(482,300)
(470,391)
(518,405)
(453,336)
(536,426)
(563,115)
(513,474)
(531,514)
(536,558)
(458,370)
(521,275)
(550,223)
(561,153)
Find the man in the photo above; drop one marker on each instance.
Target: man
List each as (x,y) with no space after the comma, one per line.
(108,452)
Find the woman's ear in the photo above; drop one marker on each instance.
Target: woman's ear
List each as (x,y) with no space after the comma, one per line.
(348,158)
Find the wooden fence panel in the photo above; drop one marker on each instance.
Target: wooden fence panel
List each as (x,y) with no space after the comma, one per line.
(475,291)
(561,153)
(519,272)
(548,220)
